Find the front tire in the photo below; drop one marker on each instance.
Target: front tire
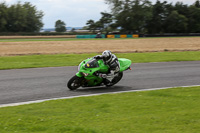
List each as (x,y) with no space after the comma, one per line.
(74,83)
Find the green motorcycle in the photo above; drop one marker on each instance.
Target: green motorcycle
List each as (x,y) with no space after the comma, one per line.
(90,71)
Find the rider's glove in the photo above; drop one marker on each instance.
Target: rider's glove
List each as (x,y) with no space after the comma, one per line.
(97,57)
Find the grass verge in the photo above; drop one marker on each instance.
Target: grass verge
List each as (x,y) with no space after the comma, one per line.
(39,39)
(34,61)
(58,39)
(173,110)
(78,39)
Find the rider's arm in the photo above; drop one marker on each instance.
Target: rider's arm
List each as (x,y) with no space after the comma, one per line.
(114,57)
(98,57)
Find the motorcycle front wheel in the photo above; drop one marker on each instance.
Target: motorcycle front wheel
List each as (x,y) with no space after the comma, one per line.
(74,83)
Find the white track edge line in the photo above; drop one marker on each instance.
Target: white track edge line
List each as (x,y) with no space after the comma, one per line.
(39,101)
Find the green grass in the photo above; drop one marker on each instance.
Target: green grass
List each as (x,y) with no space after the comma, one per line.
(175,110)
(77,39)
(39,39)
(34,61)
(61,39)
(58,39)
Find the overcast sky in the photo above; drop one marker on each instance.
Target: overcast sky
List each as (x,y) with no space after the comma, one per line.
(74,13)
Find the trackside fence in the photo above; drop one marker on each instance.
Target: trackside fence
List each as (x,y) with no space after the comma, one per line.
(108,36)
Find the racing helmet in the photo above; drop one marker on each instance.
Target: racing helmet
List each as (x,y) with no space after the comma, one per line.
(107,56)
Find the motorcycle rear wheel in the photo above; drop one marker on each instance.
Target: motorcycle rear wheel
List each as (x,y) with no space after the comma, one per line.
(74,83)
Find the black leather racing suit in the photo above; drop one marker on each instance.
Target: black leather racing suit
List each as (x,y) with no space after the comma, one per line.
(114,66)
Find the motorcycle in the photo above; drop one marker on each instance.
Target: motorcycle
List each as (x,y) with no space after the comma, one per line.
(90,73)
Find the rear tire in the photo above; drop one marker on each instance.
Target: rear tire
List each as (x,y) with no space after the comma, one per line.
(74,83)
(116,79)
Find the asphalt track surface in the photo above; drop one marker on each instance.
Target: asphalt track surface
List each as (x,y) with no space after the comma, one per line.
(23,85)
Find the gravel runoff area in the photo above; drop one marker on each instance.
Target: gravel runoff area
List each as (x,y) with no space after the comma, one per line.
(97,45)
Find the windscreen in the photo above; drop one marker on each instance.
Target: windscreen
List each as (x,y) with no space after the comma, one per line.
(92,64)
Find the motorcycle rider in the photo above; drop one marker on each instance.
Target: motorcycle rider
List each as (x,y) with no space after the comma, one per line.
(113,63)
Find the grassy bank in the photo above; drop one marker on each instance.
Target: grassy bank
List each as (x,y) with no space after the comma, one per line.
(58,39)
(77,39)
(172,110)
(34,61)
(39,39)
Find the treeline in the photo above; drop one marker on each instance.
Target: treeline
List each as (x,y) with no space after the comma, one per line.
(141,16)
(20,18)
(126,16)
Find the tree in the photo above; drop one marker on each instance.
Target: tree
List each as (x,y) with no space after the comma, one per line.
(91,25)
(160,11)
(181,8)
(103,24)
(60,26)
(3,17)
(194,19)
(176,23)
(106,21)
(20,18)
(17,21)
(197,4)
(33,18)
(73,30)
(131,15)
(140,16)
